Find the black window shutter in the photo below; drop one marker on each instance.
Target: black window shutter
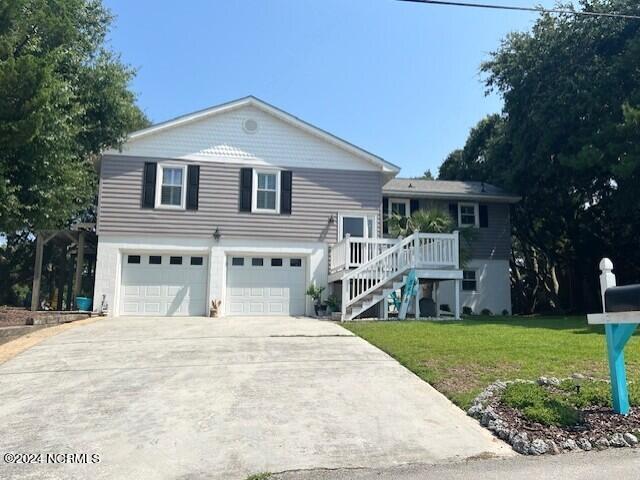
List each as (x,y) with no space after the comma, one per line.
(453,211)
(385,215)
(246,179)
(286,182)
(149,185)
(484,216)
(193,186)
(414,205)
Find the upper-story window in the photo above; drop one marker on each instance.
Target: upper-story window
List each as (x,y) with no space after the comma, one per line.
(399,207)
(171,189)
(468,214)
(266,191)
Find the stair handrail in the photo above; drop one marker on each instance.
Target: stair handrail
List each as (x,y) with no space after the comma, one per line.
(408,241)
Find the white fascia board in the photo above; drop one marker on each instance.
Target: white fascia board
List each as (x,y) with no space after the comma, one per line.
(453,196)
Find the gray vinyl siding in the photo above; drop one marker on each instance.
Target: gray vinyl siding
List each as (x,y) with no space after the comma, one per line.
(493,242)
(316,195)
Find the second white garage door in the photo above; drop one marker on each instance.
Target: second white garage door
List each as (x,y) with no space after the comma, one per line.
(259,285)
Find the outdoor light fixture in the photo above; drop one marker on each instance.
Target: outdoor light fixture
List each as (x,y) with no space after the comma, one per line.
(217,234)
(332,219)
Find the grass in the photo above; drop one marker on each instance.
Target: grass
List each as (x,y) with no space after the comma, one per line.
(259,476)
(461,358)
(561,405)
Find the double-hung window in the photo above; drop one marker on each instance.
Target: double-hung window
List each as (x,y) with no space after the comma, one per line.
(171,188)
(399,207)
(266,193)
(469,281)
(468,214)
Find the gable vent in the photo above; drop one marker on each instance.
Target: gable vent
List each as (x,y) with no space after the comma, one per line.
(250,125)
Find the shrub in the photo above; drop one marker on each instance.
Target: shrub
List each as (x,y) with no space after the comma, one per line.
(445,307)
(486,311)
(538,405)
(467,310)
(505,313)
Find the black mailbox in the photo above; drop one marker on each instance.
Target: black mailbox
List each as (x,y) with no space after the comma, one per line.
(622,299)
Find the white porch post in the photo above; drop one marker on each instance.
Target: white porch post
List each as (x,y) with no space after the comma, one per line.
(385,307)
(347,251)
(343,300)
(457,300)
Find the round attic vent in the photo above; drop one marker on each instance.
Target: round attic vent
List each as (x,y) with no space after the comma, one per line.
(250,125)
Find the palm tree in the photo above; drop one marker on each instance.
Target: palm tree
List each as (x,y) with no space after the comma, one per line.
(433,220)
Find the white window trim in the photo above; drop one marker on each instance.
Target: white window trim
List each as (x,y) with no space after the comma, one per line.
(254,191)
(476,280)
(476,214)
(183,192)
(405,201)
(365,216)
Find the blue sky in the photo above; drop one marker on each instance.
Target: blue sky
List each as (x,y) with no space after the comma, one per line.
(400,80)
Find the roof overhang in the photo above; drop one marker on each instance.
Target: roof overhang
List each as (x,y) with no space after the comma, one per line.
(453,196)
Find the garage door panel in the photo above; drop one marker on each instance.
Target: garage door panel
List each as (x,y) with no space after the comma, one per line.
(266,289)
(163,289)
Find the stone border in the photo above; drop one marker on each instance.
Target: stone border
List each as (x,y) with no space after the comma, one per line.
(522,441)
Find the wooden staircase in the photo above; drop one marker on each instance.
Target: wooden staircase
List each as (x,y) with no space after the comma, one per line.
(374,280)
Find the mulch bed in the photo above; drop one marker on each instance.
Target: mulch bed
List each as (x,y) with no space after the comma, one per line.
(597,422)
(600,427)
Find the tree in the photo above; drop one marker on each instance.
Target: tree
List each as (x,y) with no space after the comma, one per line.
(427,175)
(568,142)
(64,97)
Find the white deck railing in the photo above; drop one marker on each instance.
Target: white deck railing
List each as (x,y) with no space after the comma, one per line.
(420,250)
(351,252)
(436,249)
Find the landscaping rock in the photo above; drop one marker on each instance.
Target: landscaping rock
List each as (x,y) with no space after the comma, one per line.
(570,444)
(602,443)
(553,447)
(476,410)
(584,444)
(543,381)
(538,447)
(631,439)
(520,443)
(554,381)
(503,433)
(618,441)
(488,416)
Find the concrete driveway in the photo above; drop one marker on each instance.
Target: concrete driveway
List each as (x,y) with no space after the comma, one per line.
(211,398)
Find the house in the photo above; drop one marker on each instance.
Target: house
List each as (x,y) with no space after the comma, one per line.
(246,204)
(486,210)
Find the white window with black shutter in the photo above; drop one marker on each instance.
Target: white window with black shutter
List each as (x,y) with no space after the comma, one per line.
(266,191)
(170,186)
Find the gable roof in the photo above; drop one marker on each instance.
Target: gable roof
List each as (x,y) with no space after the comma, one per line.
(252,101)
(447,189)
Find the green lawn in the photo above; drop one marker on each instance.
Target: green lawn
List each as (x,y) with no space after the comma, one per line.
(462,358)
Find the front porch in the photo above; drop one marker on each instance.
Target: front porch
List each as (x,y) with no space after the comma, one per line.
(369,270)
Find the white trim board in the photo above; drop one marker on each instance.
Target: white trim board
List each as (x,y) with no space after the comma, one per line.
(613,317)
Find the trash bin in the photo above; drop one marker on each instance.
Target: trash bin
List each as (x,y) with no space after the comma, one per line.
(83,304)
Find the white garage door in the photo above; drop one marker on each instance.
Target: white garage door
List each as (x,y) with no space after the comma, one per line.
(259,285)
(163,285)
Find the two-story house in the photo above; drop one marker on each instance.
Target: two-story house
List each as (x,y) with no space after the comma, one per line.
(248,205)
